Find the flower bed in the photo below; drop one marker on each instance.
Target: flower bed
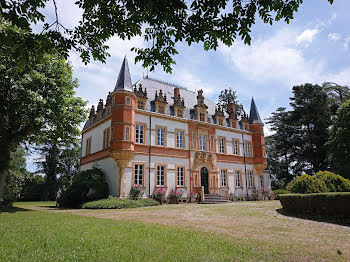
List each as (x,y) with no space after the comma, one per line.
(330,204)
(119,203)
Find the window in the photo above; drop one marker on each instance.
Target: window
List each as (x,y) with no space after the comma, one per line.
(238,178)
(106,138)
(235,147)
(222,145)
(127,100)
(161,109)
(127,133)
(88,147)
(180,113)
(248,149)
(193,140)
(223,178)
(140,105)
(262,182)
(160,175)
(180,139)
(201,117)
(221,122)
(160,136)
(180,176)
(203,143)
(140,132)
(138,174)
(250,179)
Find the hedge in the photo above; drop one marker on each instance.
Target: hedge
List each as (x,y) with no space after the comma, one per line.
(329,204)
(119,203)
(279,192)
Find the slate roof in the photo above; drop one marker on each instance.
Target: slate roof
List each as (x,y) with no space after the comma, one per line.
(124,79)
(254,116)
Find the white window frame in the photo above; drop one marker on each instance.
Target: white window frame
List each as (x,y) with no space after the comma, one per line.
(223,178)
(127,100)
(127,133)
(161,175)
(235,147)
(203,142)
(160,136)
(250,179)
(138,174)
(140,134)
(222,145)
(248,149)
(237,178)
(180,139)
(180,174)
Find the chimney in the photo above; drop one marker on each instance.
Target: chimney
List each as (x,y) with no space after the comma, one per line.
(176,93)
(92,114)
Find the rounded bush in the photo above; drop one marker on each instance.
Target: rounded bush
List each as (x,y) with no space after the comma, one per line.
(334,182)
(305,184)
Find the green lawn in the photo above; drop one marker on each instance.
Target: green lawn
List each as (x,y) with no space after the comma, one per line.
(33,232)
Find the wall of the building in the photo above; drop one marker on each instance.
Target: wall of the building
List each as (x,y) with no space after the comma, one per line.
(111,170)
(96,135)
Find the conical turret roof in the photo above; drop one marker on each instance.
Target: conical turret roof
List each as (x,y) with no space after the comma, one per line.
(254,116)
(124,79)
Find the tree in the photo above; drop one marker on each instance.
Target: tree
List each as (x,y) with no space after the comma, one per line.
(162,23)
(35,100)
(311,118)
(279,146)
(339,142)
(17,175)
(228,96)
(337,94)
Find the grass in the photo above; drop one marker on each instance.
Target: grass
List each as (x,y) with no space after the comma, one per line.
(246,231)
(119,203)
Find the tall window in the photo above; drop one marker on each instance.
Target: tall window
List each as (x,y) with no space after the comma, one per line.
(212,144)
(140,105)
(138,175)
(248,147)
(160,175)
(238,178)
(180,139)
(180,113)
(201,117)
(223,178)
(160,136)
(235,147)
(140,132)
(106,138)
(127,100)
(261,182)
(250,179)
(127,133)
(203,143)
(221,122)
(88,147)
(194,140)
(222,145)
(180,176)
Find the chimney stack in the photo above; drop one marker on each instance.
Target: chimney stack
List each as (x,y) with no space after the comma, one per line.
(176,93)
(231,109)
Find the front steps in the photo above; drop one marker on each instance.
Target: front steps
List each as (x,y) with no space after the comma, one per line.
(213,199)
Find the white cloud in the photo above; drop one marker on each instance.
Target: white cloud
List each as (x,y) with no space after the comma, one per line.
(346,43)
(307,36)
(277,58)
(334,37)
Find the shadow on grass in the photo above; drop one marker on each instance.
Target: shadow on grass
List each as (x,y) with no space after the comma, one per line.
(12,209)
(319,218)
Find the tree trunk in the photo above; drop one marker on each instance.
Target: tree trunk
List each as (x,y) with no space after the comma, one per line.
(4,165)
(3,175)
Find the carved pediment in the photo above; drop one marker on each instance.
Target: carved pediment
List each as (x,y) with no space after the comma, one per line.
(203,158)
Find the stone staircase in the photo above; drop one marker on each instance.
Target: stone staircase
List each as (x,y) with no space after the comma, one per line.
(213,199)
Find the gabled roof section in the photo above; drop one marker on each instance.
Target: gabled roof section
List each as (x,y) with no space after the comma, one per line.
(254,116)
(124,79)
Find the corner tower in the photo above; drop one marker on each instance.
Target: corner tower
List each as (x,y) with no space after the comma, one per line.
(123,122)
(258,139)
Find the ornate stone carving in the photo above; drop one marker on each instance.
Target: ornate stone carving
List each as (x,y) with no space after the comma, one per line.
(161,97)
(203,158)
(200,99)
(140,92)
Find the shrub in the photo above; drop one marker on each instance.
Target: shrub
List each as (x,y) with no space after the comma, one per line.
(159,195)
(330,204)
(86,185)
(119,203)
(334,182)
(174,196)
(136,192)
(307,184)
(279,192)
(33,189)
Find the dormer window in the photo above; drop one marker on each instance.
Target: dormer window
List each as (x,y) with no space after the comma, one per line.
(201,117)
(221,122)
(140,105)
(180,113)
(161,109)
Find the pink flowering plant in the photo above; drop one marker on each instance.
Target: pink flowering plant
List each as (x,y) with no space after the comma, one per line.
(136,192)
(266,193)
(159,194)
(174,196)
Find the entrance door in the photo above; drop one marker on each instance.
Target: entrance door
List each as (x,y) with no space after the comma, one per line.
(205,180)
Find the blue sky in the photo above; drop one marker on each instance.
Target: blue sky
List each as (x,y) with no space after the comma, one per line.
(313,48)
